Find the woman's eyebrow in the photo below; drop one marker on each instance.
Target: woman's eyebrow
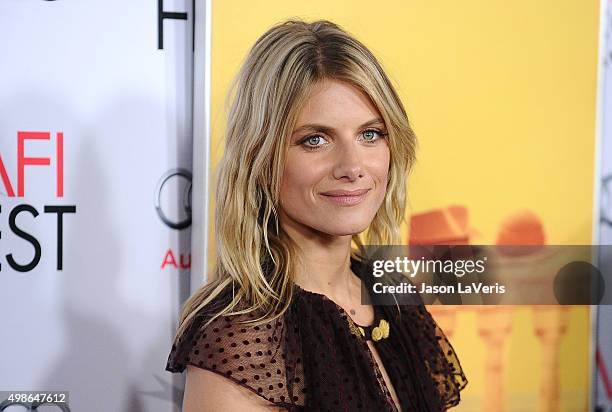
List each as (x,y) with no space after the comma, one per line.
(330,130)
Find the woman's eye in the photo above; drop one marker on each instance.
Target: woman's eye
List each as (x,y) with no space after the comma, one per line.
(314,141)
(371,135)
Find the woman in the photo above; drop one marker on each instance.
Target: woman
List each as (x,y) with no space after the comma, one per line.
(318,147)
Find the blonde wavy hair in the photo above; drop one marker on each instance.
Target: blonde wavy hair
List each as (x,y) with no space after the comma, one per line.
(255,257)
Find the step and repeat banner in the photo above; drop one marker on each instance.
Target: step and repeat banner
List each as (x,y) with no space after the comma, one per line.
(95,198)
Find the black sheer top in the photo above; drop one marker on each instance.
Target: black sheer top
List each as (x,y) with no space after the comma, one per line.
(315,358)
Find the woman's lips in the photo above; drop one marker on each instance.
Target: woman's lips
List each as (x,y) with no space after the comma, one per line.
(345,197)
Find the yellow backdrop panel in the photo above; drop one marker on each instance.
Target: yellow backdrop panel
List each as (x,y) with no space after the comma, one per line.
(502,98)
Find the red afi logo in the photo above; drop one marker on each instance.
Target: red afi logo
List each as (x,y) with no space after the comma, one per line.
(23,161)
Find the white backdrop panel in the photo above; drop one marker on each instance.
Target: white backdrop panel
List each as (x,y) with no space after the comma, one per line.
(101,327)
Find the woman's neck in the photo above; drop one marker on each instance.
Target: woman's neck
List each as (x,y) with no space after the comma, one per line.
(323,265)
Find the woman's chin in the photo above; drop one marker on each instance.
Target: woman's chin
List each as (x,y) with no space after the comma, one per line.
(344,229)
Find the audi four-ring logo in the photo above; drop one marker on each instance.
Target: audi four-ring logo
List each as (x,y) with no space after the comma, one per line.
(172,180)
(32,406)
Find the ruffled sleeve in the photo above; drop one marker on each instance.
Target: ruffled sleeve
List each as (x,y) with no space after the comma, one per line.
(437,377)
(250,356)
(439,369)
(439,357)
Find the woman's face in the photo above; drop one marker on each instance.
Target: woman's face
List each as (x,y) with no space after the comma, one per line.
(337,162)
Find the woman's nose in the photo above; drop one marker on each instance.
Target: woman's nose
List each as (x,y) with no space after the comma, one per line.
(348,162)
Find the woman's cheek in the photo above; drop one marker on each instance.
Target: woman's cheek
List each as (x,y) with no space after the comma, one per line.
(297,177)
(381,168)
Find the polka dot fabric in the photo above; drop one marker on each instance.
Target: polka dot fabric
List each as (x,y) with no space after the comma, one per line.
(309,360)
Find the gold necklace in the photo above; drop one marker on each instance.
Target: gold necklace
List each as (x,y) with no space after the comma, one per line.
(378,332)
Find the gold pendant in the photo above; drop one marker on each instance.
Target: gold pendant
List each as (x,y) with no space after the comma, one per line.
(381,331)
